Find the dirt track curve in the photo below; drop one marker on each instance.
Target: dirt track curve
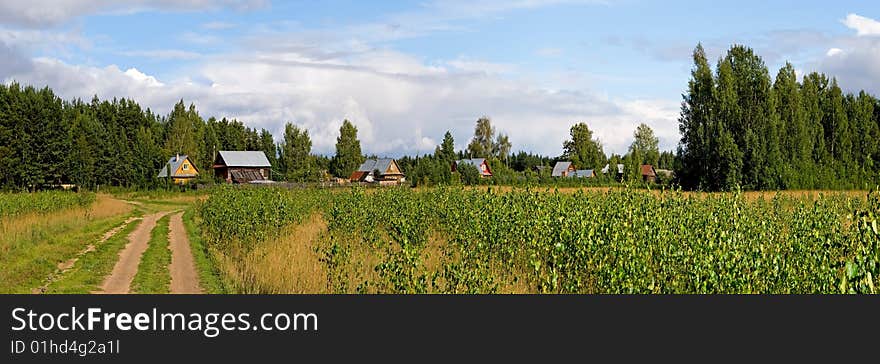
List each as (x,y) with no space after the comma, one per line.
(183,270)
(119,280)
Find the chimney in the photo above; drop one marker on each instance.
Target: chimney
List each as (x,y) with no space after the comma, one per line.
(177,157)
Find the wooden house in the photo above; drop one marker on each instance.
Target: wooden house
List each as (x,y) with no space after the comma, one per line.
(388,170)
(648,173)
(181,169)
(242,167)
(479,163)
(563,169)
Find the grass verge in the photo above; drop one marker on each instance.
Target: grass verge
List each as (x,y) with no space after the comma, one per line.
(206,267)
(91,269)
(153,275)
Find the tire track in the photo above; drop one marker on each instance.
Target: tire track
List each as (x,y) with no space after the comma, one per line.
(184,279)
(119,280)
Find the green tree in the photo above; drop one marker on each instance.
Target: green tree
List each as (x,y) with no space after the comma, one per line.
(447,148)
(697,111)
(646,144)
(296,159)
(582,149)
(348,151)
(502,148)
(483,143)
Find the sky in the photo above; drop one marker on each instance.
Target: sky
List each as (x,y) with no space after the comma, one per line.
(405,72)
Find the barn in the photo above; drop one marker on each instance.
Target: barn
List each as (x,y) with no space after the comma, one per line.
(242,166)
(182,170)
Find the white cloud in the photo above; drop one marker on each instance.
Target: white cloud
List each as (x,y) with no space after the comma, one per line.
(43,13)
(862,25)
(833,52)
(855,60)
(399,112)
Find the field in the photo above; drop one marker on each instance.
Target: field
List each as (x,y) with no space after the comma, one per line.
(65,242)
(440,240)
(541,241)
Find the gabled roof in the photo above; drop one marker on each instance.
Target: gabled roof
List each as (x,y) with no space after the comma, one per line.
(559,168)
(175,163)
(478,163)
(383,165)
(648,170)
(254,159)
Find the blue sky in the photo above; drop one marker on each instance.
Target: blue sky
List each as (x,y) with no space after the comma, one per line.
(406,71)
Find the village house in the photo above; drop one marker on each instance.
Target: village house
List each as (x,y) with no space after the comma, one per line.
(648,173)
(479,163)
(242,167)
(607,169)
(389,172)
(181,168)
(563,169)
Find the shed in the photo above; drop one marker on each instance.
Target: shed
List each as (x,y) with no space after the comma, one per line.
(242,166)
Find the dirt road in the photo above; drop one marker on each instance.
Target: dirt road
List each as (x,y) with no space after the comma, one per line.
(183,270)
(119,280)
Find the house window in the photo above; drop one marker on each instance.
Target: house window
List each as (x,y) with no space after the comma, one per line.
(185,166)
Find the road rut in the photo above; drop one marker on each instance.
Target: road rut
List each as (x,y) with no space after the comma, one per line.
(184,278)
(119,280)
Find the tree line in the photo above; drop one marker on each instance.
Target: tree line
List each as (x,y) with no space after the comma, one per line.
(739,129)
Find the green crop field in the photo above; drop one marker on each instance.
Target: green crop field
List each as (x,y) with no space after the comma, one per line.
(452,240)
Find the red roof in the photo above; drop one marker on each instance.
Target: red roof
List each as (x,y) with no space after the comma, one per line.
(358,176)
(648,170)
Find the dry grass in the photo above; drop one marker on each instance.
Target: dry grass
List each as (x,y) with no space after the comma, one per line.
(288,264)
(33,226)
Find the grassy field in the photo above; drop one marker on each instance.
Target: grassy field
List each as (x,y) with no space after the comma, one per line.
(526,241)
(33,244)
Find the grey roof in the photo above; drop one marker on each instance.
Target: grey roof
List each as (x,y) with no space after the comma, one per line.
(559,168)
(583,173)
(370,165)
(244,159)
(175,163)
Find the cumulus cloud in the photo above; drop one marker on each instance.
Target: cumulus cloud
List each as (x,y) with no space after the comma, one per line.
(44,13)
(399,104)
(855,60)
(862,25)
